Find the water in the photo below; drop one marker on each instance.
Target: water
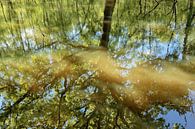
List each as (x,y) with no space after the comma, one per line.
(53,74)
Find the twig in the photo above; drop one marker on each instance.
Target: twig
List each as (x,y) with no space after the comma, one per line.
(157,4)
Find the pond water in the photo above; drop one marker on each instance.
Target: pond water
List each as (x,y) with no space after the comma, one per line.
(54,73)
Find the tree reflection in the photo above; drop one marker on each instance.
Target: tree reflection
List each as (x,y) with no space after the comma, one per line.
(54,72)
(78,90)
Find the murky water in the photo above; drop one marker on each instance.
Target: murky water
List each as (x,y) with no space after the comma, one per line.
(53,74)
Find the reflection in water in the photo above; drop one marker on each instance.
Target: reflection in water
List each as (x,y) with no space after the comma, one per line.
(53,74)
(146,90)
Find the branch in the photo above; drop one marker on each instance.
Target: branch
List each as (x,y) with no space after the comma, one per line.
(12,107)
(60,102)
(116,121)
(157,4)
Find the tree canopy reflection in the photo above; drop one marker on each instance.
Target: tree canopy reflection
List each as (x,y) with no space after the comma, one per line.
(77,90)
(95,64)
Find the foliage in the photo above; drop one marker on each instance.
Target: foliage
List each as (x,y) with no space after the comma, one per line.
(53,74)
(64,89)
